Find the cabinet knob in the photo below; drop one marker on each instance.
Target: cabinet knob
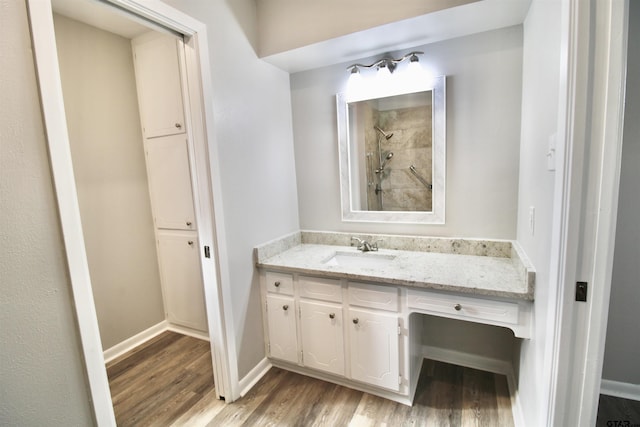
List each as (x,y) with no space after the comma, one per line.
(276,284)
(458,307)
(285,307)
(190,242)
(189,223)
(355,321)
(332,316)
(178,125)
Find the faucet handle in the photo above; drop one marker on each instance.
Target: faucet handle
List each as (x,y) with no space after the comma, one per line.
(360,241)
(374,245)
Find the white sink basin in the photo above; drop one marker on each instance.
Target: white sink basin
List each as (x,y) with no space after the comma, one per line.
(359,259)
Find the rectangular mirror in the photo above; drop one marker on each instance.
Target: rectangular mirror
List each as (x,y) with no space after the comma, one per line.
(392,155)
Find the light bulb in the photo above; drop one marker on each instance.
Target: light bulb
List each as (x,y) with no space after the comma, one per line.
(355,83)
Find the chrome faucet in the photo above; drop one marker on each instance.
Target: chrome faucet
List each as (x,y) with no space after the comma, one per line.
(365,246)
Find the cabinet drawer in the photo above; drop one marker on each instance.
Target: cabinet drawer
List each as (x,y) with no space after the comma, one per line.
(463,307)
(321,289)
(373,296)
(279,283)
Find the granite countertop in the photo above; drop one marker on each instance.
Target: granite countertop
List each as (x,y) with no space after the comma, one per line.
(509,276)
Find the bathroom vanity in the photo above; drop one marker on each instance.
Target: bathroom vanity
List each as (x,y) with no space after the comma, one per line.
(354,318)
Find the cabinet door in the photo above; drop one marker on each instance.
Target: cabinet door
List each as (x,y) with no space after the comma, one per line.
(283,339)
(373,339)
(157,71)
(321,329)
(170,182)
(181,279)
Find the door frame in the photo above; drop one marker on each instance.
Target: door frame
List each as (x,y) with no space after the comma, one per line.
(205,179)
(588,207)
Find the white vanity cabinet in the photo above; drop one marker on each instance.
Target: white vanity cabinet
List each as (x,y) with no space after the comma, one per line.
(282,336)
(393,304)
(158,80)
(374,335)
(280,315)
(322,336)
(374,348)
(370,336)
(309,325)
(320,326)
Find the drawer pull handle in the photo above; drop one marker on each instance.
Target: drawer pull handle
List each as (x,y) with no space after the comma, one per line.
(458,307)
(276,284)
(285,307)
(178,125)
(188,223)
(190,242)
(332,316)
(355,321)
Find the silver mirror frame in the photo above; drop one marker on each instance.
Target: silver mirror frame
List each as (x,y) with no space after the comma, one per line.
(437,215)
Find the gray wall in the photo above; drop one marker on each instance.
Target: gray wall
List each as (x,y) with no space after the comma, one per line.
(41,367)
(540,96)
(484,87)
(252,111)
(622,351)
(101,104)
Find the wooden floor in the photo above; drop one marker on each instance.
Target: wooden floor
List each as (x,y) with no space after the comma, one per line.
(169,382)
(158,382)
(616,411)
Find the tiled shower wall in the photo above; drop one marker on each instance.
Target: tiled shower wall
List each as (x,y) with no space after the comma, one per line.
(411,144)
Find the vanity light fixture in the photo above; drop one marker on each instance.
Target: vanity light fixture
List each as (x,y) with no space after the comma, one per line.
(386,63)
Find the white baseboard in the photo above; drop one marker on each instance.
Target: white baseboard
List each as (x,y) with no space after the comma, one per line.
(188,331)
(620,389)
(131,343)
(482,363)
(144,336)
(468,360)
(249,380)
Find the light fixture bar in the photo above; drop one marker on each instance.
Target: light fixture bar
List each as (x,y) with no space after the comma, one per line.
(389,63)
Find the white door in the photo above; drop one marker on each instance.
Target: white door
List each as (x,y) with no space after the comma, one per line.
(374,342)
(170,182)
(322,334)
(181,281)
(158,79)
(281,317)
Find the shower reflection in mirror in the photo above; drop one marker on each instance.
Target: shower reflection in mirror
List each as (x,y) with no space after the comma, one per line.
(398,145)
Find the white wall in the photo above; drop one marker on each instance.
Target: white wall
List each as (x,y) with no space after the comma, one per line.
(540,92)
(289,24)
(484,87)
(622,351)
(41,367)
(98,82)
(252,114)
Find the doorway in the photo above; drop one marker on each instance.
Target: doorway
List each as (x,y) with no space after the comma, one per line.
(620,386)
(200,121)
